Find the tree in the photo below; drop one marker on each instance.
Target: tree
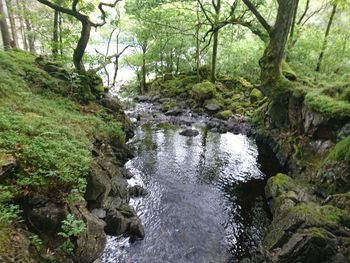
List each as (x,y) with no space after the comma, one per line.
(86,24)
(325,41)
(5,32)
(10,10)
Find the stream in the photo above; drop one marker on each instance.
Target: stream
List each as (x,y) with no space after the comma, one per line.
(205,199)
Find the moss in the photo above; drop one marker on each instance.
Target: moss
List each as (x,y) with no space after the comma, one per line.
(168,105)
(332,101)
(204,71)
(341,151)
(256,95)
(50,136)
(287,71)
(224,115)
(203,91)
(317,232)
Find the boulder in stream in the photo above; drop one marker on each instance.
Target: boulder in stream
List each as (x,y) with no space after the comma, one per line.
(190,133)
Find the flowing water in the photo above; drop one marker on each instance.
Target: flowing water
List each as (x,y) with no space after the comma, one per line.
(205,201)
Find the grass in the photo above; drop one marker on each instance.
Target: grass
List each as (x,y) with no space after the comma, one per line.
(45,130)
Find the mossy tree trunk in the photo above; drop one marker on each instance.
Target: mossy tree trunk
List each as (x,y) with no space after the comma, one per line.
(5,32)
(143,69)
(271,62)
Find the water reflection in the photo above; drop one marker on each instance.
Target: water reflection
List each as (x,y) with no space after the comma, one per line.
(205,202)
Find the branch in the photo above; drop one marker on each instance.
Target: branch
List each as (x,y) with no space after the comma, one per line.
(103,12)
(257,14)
(59,8)
(204,11)
(108,59)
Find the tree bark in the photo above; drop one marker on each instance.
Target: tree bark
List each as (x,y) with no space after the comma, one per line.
(55,40)
(217,8)
(81,46)
(325,41)
(144,70)
(271,62)
(12,23)
(6,38)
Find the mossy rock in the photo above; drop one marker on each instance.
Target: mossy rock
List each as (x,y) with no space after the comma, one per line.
(341,151)
(169,105)
(256,95)
(279,184)
(204,71)
(203,91)
(224,115)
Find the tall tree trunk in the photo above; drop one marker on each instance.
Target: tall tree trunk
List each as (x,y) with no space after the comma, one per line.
(144,70)
(325,41)
(28,27)
(55,40)
(12,23)
(271,62)
(217,8)
(21,24)
(214,56)
(292,30)
(5,32)
(60,33)
(197,44)
(81,46)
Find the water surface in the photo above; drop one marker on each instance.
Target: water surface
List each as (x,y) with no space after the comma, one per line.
(205,201)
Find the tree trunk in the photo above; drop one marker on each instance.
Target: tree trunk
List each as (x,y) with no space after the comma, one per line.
(292,30)
(55,40)
(143,69)
(6,38)
(81,46)
(28,26)
(214,56)
(12,23)
(197,44)
(21,24)
(60,33)
(271,62)
(217,7)
(325,41)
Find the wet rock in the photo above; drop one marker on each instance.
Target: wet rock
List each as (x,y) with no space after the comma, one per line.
(137,191)
(211,107)
(189,133)
(7,164)
(90,244)
(119,188)
(124,220)
(174,112)
(142,98)
(344,132)
(127,174)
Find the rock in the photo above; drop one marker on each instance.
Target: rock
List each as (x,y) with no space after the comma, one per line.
(46,217)
(344,132)
(98,185)
(256,95)
(127,174)
(142,98)
(189,133)
(90,244)
(213,108)
(119,188)
(203,91)
(174,112)
(124,221)
(224,115)
(321,147)
(111,103)
(7,163)
(137,191)
(99,212)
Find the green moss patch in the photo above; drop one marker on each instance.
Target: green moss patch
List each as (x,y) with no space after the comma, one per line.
(341,151)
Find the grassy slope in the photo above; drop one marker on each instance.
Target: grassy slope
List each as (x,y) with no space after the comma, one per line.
(49,134)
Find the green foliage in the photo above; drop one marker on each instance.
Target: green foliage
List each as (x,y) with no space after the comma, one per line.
(36,241)
(224,115)
(71,227)
(341,151)
(333,101)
